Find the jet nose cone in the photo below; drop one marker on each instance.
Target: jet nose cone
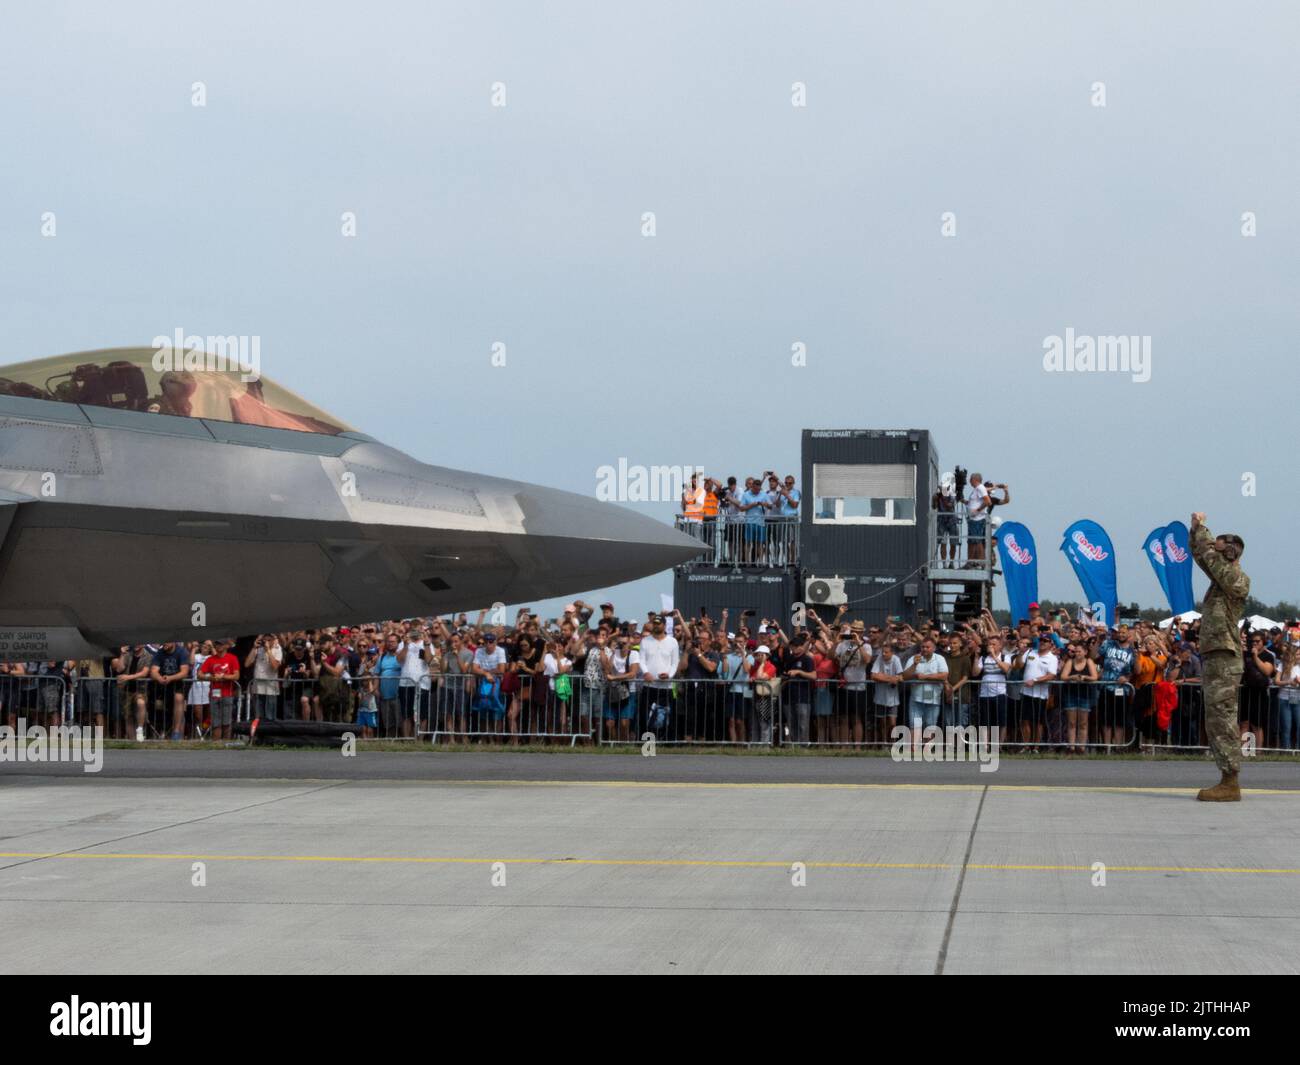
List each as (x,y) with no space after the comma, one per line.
(670,545)
(616,544)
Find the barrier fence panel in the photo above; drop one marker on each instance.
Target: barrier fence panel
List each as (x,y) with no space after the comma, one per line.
(1287,732)
(342,700)
(693,711)
(702,712)
(1070,715)
(36,698)
(1268,720)
(143,708)
(1066,715)
(861,714)
(838,713)
(514,708)
(1185,728)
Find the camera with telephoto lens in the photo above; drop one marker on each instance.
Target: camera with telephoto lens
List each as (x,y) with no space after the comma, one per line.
(959,476)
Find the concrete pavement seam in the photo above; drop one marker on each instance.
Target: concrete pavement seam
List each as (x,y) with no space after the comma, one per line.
(74,851)
(961,879)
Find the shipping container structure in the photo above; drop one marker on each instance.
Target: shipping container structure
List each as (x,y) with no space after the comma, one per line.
(866,536)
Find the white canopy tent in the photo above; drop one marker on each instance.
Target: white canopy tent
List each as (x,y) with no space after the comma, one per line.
(1258,621)
(1191,615)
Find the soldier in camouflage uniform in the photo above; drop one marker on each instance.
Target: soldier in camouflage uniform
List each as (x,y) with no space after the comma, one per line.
(1221,651)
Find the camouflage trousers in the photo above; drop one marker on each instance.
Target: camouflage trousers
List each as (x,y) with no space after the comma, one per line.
(1221,683)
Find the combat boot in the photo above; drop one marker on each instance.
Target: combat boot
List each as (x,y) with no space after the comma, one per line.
(1226,790)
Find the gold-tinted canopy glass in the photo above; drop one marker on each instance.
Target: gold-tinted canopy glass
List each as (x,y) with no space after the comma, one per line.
(192,384)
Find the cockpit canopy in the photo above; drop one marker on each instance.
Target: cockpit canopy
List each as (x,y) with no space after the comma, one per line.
(191,384)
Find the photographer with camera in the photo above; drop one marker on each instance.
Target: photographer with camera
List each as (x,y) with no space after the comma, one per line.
(979,505)
(944,503)
(1260,667)
(265,659)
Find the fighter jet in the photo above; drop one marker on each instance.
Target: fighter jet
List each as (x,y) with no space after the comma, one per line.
(139,501)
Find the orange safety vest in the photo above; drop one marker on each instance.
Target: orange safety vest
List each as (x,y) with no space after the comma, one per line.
(693,508)
(710,505)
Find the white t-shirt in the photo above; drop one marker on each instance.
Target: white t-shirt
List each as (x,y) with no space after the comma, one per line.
(415,670)
(927,693)
(489,660)
(1289,693)
(200,690)
(1036,667)
(621,663)
(266,669)
(993,682)
(551,668)
(659,656)
(977,502)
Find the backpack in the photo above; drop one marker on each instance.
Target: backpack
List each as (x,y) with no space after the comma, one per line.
(488,699)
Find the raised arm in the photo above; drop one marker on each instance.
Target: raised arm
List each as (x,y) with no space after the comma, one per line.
(1228,577)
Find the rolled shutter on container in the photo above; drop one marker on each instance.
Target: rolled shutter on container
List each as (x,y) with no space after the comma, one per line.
(835,480)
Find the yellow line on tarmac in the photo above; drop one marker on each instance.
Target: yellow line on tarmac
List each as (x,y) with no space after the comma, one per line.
(708,863)
(1132,869)
(813,785)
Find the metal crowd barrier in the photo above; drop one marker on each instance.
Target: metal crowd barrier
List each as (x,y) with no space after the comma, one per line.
(738,543)
(1066,715)
(1268,720)
(456,708)
(37,698)
(712,712)
(362,701)
(147,709)
(839,712)
(518,708)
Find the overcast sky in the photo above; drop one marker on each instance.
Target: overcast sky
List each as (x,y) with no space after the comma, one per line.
(775,224)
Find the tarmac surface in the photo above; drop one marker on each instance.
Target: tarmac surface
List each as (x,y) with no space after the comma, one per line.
(307,862)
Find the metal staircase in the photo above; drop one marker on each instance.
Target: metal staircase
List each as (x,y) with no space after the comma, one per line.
(960,587)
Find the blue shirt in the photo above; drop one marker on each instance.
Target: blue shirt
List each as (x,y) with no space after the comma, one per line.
(1116,661)
(789,508)
(736,668)
(390,672)
(755,515)
(169,662)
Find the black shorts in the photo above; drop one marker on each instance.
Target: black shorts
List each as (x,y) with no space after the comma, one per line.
(1252,706)
(1116,711)
(991,711)
(297,689)
(853,704)
(406,697)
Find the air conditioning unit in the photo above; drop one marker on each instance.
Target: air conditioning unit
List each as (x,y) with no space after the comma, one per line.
(824,591)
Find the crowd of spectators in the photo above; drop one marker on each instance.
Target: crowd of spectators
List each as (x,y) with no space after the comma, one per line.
(757,524)
(751,526)
(1044,683)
